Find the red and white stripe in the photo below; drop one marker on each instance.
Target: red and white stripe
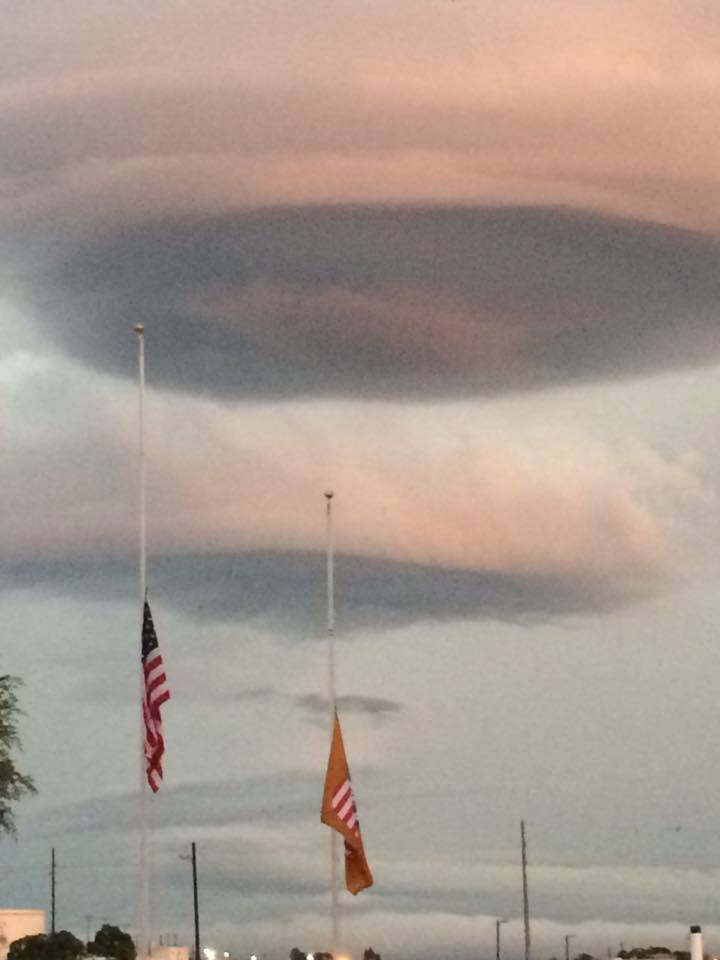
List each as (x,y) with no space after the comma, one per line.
(156,693)
(343,803)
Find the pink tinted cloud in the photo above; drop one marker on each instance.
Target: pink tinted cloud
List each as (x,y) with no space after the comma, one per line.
(561,506)
(451,486)
(604,105)
(551,504)
(464,486)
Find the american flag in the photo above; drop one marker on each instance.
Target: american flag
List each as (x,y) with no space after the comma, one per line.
(155,693)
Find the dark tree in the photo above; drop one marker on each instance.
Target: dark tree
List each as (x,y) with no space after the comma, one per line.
(113,942)
(13,784)
(42,946)
(297,954)
(371,955)
(29,948)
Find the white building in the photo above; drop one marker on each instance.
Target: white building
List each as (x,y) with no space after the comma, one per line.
(15,924)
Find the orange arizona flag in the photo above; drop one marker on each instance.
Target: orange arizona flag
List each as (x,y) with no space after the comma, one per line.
(340,813)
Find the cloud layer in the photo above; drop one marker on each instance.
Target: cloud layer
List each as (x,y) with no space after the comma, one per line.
(135,110)
(136,185)
(484,512)
(287,590)
(382,303)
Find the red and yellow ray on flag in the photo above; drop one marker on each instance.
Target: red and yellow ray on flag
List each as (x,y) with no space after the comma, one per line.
(340,813)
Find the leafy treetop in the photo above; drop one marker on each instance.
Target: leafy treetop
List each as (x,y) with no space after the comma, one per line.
(43,946)
(13,784)
(112,942)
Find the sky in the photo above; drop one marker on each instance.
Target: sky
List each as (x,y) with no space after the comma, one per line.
(458,261)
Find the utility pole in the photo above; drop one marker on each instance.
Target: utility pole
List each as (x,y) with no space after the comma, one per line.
(497,938)
(52,892)
(568,938)
(195,903)
(526,904)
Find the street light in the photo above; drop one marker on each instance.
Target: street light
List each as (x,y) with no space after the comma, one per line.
(497,938)
(568,938)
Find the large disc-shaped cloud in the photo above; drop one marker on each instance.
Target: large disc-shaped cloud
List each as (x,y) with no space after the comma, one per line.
(384,302)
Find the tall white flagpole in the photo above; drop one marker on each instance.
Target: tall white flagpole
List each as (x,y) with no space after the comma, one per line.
(142,946)
(334,836)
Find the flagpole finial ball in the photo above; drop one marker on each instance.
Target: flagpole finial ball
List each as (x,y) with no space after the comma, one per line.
(140,328)
(329,494)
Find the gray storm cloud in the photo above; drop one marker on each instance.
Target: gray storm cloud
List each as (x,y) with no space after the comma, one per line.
(383,303)
(285,589)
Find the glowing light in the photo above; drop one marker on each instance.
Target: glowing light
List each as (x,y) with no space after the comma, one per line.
(209,953)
